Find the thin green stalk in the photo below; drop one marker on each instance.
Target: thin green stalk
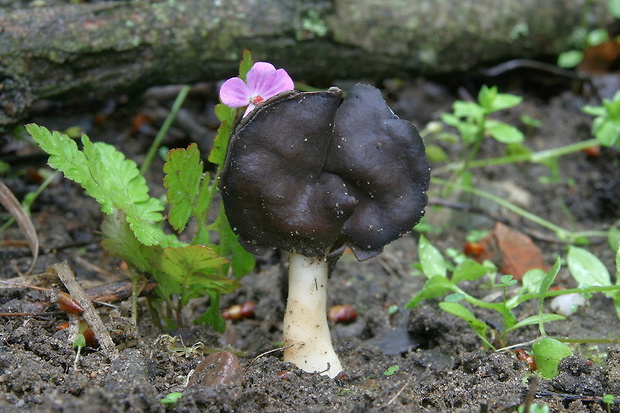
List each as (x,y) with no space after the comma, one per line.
(521,157)
(463,166)
(176,106)
(587,340)
(560,232)
(554,293)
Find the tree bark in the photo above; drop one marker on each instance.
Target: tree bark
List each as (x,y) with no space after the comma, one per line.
(94,49)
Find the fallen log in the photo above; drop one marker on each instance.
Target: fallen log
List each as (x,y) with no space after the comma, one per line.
(90,50)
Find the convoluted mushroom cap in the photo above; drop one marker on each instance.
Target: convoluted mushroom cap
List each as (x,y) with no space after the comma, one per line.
(383,162)
(308,174)
(273,186)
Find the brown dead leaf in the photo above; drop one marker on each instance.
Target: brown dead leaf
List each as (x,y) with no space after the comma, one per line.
(512,251)
(601,58)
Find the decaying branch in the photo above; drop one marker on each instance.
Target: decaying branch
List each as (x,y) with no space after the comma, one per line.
(91,49)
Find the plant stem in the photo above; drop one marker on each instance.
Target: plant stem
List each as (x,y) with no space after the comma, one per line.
(554,293)
(560,232)
(521,157)
(178,102)
(305,319)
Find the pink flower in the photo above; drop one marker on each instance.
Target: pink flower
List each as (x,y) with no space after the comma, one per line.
(262,82)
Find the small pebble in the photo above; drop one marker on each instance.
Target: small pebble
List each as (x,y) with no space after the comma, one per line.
(218,368)
(567,304)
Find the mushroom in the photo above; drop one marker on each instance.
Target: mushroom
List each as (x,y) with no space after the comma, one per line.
(312,173)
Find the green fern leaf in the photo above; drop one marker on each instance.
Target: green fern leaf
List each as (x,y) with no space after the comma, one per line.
(106,175)
(183,170)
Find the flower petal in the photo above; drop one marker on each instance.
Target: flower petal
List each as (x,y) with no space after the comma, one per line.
(249,109)
(280,82)
(259,78)
(235,93)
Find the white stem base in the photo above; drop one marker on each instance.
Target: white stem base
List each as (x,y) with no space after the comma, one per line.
(305,319)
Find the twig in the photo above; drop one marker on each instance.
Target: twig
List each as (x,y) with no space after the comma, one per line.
(90,314)
(265,353)
(17,211)
(531,393)
(398,393)
(92,267)
(566,396)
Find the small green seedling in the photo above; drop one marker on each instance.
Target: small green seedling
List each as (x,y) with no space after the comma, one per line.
(79,343)
(391,370)
(171,398)
(535,286)
(438,284)
(473,123)
(548,353)
(608,400)
(583,38)
(589,271)
(606,124)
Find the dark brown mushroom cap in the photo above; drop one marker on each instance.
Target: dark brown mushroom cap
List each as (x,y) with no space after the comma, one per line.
(308,174)
(383,162)
(274,190)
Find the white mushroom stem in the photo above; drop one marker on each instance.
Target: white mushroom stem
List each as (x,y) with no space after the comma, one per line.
(305,319)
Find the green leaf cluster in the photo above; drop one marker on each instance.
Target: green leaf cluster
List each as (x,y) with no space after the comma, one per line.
(440,283)
(472,122)
(106,175)
(606,124)
(548,353)
(443,279)
(589,271)
(133,223)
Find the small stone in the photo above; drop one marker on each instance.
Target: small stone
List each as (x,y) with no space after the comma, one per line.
(218,368)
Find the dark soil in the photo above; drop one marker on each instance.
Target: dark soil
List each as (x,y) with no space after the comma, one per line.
(442,365)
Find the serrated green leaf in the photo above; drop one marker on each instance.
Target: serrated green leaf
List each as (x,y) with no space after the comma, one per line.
(192,268)
(184,171)
(64,153)
(586,268)
(106,175)
(121,242)
(119,184)
(213,316)
(503,132)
